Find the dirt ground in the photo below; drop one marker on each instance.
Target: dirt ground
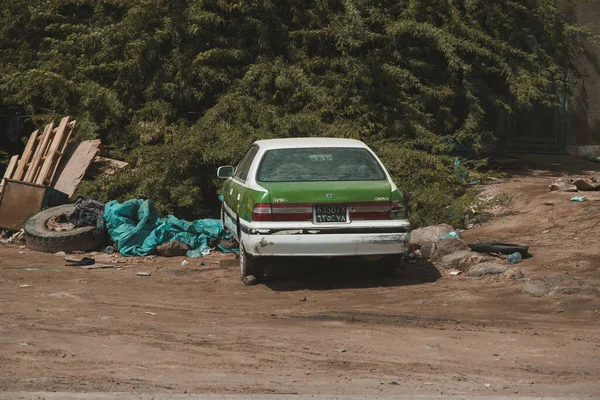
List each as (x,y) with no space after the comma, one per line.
(327,328)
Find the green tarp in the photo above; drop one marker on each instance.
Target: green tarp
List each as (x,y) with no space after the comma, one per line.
(137,229)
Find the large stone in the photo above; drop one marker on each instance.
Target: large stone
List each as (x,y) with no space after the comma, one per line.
(172,249)
(453,260)
(486,268)
(427,238)
(513,274)
(448,246)
(473,258)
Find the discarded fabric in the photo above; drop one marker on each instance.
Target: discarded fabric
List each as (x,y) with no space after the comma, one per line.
(87,212)
(137,229)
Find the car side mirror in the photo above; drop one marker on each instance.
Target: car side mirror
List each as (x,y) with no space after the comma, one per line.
(225,172)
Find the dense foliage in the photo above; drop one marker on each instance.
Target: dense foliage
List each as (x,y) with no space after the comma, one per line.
(181,86)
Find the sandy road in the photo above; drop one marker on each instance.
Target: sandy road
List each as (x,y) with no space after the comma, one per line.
(328,330)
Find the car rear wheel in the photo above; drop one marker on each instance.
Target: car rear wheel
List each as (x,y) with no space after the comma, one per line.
(250,266)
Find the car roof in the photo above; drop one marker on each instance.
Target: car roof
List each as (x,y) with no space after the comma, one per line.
(293,143)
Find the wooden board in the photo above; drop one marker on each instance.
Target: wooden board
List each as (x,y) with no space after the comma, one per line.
(106,165)
(76,160)
(70,127)
(25,160)
(9,171)
(32,171)
(11,167)
(54,154)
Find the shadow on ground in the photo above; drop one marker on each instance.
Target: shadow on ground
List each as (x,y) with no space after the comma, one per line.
(302,274)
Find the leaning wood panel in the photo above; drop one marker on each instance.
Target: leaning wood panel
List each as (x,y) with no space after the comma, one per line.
(39,153)
(76,160)
(53,152)
(11,167)
(25,160)
(61,151)
(9,171)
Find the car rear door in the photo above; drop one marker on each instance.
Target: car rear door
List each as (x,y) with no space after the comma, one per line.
(236,192)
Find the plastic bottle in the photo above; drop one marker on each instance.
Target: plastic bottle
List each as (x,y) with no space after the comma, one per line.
(453,234)
(514,258)
(109,250)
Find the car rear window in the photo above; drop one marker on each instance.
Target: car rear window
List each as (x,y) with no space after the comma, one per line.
(319,164)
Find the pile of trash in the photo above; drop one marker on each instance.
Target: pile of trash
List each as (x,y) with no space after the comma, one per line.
(133,229)
(138,229)
(443,246)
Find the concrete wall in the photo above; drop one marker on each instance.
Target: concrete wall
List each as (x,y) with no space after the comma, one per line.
(583,120)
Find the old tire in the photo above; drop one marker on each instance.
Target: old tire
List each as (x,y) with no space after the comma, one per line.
(39,238)
(250,266)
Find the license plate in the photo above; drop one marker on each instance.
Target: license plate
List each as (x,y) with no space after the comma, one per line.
(333,213)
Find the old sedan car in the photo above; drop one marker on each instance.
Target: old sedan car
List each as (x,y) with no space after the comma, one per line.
(316,197)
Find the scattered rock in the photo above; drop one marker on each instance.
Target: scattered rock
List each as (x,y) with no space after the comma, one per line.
(535,288)
(563,185)
(486,268)
(546,231)
(455,272)
(250,280)
(428,237)
(513,274)
(428,249)
(303,299)
(172,249)
(144,274)
(582,184)
(61,254)
(449,246)
(453,260)
(471,259)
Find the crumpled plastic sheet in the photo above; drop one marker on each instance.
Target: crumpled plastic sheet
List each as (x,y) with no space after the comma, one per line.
(137,229)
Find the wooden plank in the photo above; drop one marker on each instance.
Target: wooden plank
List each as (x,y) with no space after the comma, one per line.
(9,171)
(59,154)
(106,165)
(39,153)
(11,167)
(26,157)
(77,159)
(46,169)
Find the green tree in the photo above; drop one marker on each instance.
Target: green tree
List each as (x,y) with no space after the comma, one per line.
(179,87)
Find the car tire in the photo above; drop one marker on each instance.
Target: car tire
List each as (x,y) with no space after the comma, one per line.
(39,238)
(250,266)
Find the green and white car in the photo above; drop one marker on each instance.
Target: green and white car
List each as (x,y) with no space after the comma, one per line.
(316,197)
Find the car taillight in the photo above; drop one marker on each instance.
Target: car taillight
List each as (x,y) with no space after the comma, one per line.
(369,211)
(292,212)
(262,212)
(398,210)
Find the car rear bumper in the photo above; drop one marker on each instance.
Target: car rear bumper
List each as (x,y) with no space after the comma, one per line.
(326,245)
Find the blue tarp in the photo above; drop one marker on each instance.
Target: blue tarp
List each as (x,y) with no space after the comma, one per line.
(137,229)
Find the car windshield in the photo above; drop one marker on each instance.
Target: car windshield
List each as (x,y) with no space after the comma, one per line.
(319,164)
